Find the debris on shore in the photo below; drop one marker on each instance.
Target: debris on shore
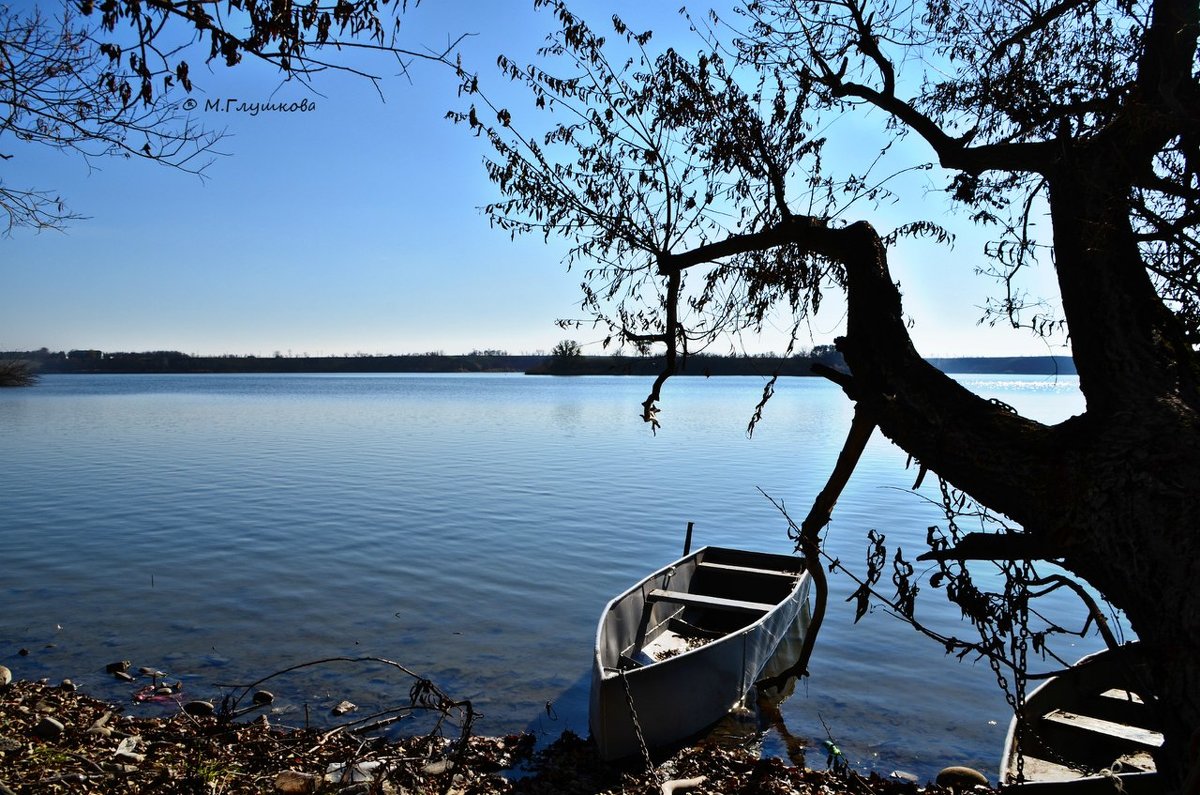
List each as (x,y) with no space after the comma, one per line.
(56,740)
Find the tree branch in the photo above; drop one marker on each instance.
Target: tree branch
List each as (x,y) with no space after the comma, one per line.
(807,230)
(1002,459)
(1038,22)
(995,546)
(952,152)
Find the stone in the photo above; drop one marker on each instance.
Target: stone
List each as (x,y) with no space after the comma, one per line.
(960,778)
(5,676)
(263,697)
(352,773)
(123,676)
(121,666)
(437,768)
(67,685)
(48,728)
(343,707)
(291,782)
(199,708)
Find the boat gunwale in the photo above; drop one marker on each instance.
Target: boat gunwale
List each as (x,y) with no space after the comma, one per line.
(611,672)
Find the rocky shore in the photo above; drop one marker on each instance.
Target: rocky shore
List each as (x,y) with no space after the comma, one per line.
(56,740)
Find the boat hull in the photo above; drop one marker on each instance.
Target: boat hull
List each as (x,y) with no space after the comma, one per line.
(681,648)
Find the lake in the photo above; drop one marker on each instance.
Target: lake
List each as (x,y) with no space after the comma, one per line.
(470,527)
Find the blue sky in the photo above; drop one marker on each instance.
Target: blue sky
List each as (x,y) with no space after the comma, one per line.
(354,227)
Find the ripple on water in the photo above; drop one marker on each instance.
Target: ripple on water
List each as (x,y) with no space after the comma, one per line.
(470,527)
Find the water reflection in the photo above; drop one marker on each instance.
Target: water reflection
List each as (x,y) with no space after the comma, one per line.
(758,722)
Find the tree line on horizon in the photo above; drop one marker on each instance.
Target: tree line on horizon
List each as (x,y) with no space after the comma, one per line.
(562,361)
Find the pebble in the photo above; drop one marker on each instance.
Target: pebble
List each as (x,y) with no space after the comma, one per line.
(148,671)
(290,782)
(67,685)
(199,708)
(263,697)
(960,777)
(344,707)
(123,676)
(5,676)
(437,768)
(118,667)
(48,728)
(352,773)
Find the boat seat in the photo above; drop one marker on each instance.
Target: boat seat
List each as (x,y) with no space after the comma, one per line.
(1042,775)
(1121,706)
(715,602)
(1040,770)
(791,575)
(1121,731)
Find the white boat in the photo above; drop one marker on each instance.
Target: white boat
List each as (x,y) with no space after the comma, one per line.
(1083,728)
(681,648)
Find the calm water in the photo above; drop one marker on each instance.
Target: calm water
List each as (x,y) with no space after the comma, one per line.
(470,527)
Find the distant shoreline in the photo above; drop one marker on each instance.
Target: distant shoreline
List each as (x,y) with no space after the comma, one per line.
(172,362)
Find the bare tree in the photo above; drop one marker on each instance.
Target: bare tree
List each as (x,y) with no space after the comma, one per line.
(106,80)
(694,191)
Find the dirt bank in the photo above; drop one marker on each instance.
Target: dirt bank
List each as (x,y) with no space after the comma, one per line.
(54,740)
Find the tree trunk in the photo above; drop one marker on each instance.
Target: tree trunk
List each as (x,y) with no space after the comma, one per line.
(1136,541)
(1131,505)
(1109,494)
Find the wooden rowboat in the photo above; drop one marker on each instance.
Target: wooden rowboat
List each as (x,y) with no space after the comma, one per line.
(681,648)
(1083,728)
